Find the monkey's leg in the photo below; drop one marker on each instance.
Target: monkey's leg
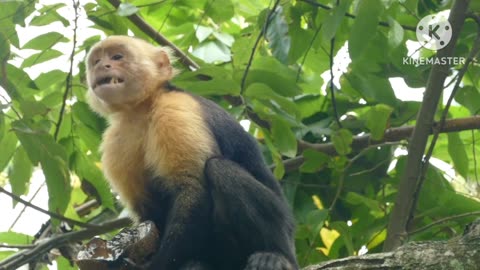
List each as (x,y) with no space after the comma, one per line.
(252,224)
(187,226)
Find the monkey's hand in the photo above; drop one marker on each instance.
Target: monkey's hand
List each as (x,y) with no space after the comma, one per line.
(268,261)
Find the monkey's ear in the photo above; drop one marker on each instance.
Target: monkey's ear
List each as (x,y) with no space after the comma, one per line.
(162,60)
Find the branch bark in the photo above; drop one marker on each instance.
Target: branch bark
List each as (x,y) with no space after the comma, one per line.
(408,189)
(459,253)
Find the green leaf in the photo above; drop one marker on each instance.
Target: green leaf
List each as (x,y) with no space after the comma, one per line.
(58,182)
(342,141)
(377,120)
(30,108)
(314,161)
(469,97)
(41,57)
(4,47)
(277,35)
(208,80)
(203,33)
(395,33)
(283,137)
(374,89)
(8,144)
(45,41)
(20,173)
(49,17)
(220,11)
(357,199)
(271,72)
(345,235)
(47,79)
(262,91)
(364,27)
(457,152)
(332,22)
(88,171)
(212,52)
(2,125)
(126,9)
(14,238)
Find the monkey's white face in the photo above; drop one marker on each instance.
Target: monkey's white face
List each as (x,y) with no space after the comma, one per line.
(114,77)
(124,71)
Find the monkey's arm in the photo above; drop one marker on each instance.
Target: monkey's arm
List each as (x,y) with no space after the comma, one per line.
(249,217)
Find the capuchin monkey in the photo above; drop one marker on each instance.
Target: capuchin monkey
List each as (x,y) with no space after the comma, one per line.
(184,163)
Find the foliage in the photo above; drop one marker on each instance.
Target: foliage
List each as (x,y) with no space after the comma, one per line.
(279,61)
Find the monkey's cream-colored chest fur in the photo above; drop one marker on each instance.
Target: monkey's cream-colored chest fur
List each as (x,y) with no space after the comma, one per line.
(171,140)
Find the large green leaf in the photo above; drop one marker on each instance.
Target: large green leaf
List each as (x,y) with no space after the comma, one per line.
(365,26)
(88,171)
(271,72)
(41,57)
(457,152)
(208,80)
(377,120)
(8,144)
(14,238)
(263,92)
(283,137)
(42,148)
(45,41)
(277,36)
(220,10)
(332,22)
(342,140)
(20,173)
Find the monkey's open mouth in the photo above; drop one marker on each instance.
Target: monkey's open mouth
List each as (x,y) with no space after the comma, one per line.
(109,80)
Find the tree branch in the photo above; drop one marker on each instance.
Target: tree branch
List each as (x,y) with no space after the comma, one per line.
(404,204)
(51,214)
(391,135)
(159,38)
(32,254)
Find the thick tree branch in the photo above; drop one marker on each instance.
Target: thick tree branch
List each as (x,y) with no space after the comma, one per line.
(459,253)
(405,202)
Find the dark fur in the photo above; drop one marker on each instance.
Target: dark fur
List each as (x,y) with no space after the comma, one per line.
(237,220)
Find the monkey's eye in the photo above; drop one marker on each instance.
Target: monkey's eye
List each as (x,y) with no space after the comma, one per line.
(117,57)
(96,61)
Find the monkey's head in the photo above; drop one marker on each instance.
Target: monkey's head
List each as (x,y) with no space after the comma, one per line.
(123,71)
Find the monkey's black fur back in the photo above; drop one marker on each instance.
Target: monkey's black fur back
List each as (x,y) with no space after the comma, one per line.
(240,221)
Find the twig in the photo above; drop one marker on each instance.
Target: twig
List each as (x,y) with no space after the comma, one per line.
(341,179)
(25,206)
(254,48)
(68,81)
(443,220)
(51,214)
(17,246)
(385,24)
(30,255)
